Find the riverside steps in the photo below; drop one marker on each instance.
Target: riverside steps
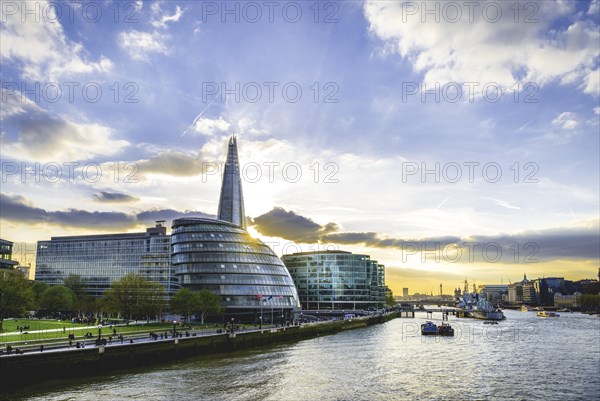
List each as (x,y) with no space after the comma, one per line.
(37,366)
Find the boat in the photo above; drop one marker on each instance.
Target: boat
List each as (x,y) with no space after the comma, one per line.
(564,310)
(477,307)
(445,330)
(525,308)
(490,322)
(547,314)
(429,329)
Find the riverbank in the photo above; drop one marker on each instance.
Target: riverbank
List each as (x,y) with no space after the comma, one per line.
(18,370)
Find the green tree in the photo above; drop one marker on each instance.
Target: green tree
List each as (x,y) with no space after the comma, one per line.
(134,297)
(58,298)
(389,298)
(185,303)
(589,302)
(37,289)
(152,299)
(208,302)
(75,283)
(15,295)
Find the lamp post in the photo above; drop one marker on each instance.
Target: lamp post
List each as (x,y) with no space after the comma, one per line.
(174,328)
(260,321)
(232,325)
(99,332)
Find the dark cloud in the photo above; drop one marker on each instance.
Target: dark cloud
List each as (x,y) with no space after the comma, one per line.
(526,247)
(17,208)
(114,197)
(289,225)
(150,216)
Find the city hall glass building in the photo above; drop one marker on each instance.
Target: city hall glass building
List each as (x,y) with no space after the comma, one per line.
(337,280)
(220,256)
(102,259)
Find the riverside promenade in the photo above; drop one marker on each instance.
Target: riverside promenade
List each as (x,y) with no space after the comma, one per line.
(60,362)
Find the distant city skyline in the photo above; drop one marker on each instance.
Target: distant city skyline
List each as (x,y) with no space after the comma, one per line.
(351,133)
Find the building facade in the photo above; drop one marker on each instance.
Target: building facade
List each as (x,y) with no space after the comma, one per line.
(522,292)
(566,301)
(494,293)
(6,261)
(102,259)
(222,257)
(337,280)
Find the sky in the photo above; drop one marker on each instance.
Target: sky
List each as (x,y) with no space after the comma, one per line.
(447,140)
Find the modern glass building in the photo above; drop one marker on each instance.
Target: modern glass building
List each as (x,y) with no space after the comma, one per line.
(220,255)
(102,259)
(337,280)
(223,258)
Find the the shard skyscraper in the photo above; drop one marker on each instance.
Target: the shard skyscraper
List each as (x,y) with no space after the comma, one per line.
(231,202)
(219,255)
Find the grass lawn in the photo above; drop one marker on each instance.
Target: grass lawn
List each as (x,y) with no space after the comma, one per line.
(75,329)
(36,324)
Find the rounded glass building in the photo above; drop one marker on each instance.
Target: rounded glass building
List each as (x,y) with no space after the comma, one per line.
(222,257)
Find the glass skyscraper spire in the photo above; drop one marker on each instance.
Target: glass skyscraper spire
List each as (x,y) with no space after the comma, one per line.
(231,202)
(219,255)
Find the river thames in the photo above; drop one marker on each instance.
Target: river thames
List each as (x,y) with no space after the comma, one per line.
(521,358)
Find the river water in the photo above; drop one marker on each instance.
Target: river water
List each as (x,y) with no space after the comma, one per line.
(522,358)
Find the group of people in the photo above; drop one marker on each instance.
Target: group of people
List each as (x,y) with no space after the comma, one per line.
(9,350)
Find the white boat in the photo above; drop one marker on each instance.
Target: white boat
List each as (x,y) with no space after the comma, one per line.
(526,308)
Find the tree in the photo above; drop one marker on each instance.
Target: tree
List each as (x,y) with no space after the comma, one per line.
(37,289)
(152,299)
(185,303)
(74,282)
(208,302)
(389,297)
(15,295)
(134,297)
(58,298)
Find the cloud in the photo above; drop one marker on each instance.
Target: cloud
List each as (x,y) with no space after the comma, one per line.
(19,209)
(566,120)
(475,48)
(15,103)
(114,197)
(43,137)
(140,44)
(289,225)
(559,243)
(40,45)
(594,9)
(207,126)
(161,19)
(174,162)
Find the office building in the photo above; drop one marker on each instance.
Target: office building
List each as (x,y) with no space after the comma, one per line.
(493,293)
(337,280)
(405,292)
(104,258)
(6,261)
